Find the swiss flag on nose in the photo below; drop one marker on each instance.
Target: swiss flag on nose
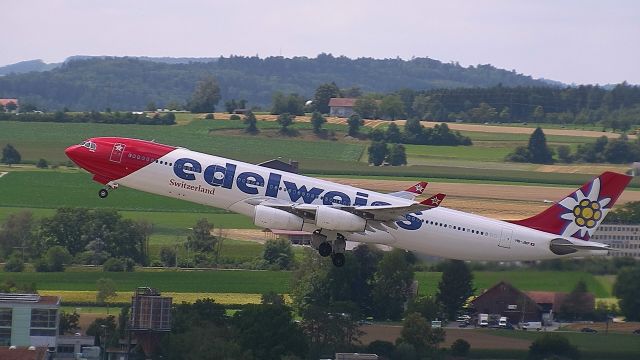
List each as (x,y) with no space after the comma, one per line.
(116,152)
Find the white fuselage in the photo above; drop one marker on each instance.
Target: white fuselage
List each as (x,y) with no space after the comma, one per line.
(238,186)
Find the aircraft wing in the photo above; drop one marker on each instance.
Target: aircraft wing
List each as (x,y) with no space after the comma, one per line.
(381,213)
(412,192)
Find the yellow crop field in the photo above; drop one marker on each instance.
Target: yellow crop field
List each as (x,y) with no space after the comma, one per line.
(125,297)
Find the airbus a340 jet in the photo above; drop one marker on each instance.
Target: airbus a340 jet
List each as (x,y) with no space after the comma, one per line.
(334,213)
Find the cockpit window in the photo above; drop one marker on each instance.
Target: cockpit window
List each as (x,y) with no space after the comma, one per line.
(89,145)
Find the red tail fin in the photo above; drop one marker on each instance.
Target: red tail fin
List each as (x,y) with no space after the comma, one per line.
(579,214)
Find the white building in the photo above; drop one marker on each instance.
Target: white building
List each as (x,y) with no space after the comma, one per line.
(29,320)
(623,239)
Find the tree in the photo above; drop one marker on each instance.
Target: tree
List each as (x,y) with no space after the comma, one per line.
(552,345)
(627,289)
(168,256)
(14,264)
(285,337)
(328,330)
(201,238)
(278,252)
(42,164)
(455,287)
(392,107)
(393,135)
(285,119)
(427,306)
(18,232)
(417,332)
(519,154)
(56,258)
(205,96)
(69,322)
(106,289)
(378,151)
(576,306)
(460,348)
(539,152)
(366,107)
(104,328)
(251,122)
(505,114)
(538,113)
(397,155)
(10,155)
(11,106)
(564,154)
(391,285)
(151,106)
(323,94)
(317,120)
(354,122)
(292,104)
(483,113)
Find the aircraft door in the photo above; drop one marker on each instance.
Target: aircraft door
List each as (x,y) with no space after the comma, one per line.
(505,238)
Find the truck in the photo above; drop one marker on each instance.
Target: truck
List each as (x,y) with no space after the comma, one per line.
(531,325)
(502,322)
(483,320)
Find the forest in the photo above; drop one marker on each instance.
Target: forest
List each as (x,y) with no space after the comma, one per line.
(131,83)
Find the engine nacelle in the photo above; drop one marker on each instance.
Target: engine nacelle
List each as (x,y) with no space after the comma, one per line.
(335,219)
(272,218)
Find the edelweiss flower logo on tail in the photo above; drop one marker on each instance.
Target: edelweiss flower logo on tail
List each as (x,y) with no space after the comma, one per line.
(585,211)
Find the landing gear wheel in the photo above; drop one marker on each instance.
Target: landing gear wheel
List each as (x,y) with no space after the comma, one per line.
(325,249)
(103,193)
(337,259)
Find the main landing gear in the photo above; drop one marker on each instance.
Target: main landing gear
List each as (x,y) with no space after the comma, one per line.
(103,193)
(335,248)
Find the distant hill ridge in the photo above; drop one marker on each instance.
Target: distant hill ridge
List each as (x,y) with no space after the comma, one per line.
(126,83)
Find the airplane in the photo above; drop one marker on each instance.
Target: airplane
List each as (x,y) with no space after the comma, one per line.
(335,213)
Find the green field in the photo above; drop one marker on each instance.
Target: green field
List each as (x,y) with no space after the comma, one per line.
(245,281)
(526,280)
(598,346)
(220,281)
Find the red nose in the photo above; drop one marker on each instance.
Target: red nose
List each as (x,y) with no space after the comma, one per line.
(72,152)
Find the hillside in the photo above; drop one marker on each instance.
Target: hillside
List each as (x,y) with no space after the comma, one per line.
(131,83)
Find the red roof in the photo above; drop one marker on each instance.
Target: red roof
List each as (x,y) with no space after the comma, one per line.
(22,354)
(4,102)
(289,232)
(342,102)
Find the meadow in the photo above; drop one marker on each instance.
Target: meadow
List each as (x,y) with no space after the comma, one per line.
(257,282)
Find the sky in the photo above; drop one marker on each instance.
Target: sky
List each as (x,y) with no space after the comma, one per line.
(582,42)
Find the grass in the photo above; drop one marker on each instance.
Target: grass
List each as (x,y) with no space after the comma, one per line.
(213,281)
(48,140)
(588,344)
(526,280)
(256,282)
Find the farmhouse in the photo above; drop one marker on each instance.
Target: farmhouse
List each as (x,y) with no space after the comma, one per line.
(341,107)
(504,299)
(10,105)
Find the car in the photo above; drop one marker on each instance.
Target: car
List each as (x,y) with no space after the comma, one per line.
(636,331)
(463,318)
(588,330)
(463,324)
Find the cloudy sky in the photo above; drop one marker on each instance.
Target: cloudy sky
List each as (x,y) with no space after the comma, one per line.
(574,41)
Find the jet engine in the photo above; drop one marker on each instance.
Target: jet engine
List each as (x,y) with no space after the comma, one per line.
(335,219)
(272,218)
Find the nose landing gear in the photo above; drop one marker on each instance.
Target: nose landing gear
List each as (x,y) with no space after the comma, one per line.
(103,193)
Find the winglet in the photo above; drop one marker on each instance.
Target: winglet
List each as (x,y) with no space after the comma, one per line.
(434,201)
(418,188)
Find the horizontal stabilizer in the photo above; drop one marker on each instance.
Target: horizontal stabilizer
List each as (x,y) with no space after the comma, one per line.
(412,192)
